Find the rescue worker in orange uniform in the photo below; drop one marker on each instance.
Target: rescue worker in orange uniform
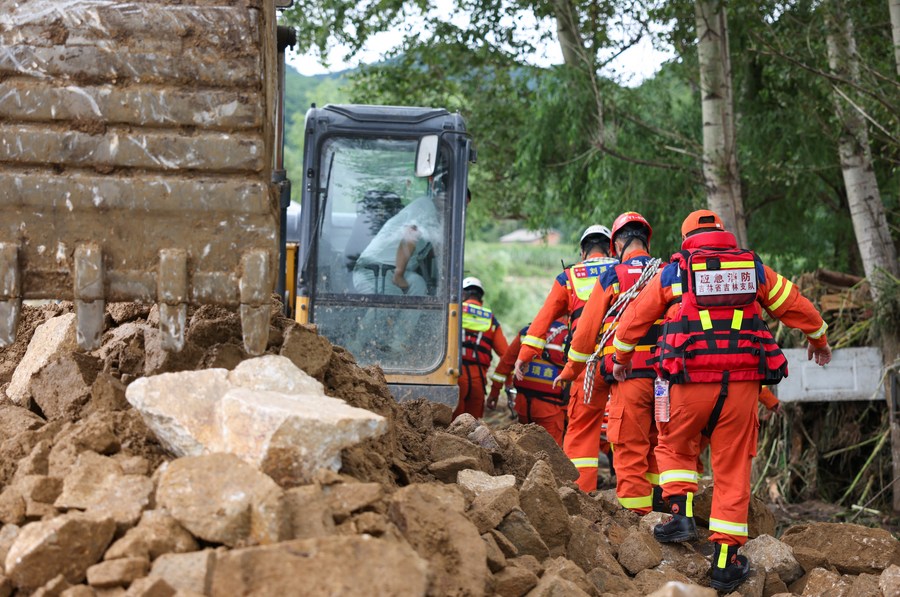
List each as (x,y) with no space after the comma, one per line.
(767,398)
(631,429)
(567,297)
(537,400)
(482,336)
(715,350)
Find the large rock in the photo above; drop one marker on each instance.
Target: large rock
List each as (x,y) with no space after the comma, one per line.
(98,484)
(221,499)
(307,350)
(680,589)
(430,517)
(309,511)
(889,581)
(771,555)
(266,411)
(639,551)
(63,387)
(850,548)
(66,545)
(541,503)
(490,507)
(534,440)
(51,339)
(325,566)
(520,532)
(445,446)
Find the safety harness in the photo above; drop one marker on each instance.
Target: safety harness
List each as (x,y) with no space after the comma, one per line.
(628,275)
(718,333)
(477,344)
(538,376)
(625,297)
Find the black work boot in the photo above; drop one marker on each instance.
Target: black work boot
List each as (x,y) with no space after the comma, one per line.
(659,504)
(681,527)
(728,568)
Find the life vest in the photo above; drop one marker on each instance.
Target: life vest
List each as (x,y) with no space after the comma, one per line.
(626,276)
(537,379)
(580,281)
(718,327)
(478,334)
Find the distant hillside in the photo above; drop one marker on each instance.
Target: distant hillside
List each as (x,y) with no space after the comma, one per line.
(300,91)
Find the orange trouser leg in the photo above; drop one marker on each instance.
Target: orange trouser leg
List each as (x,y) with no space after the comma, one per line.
(582,441)
(733,445)
(551,417)
(471,391)
(632,432)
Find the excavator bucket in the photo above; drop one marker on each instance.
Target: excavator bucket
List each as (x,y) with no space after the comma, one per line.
(136,159)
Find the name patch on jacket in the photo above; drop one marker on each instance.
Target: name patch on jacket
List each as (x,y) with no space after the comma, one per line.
(735,281)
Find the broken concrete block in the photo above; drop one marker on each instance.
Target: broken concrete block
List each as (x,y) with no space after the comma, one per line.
(222,499)
(771,555)
(53,338)
(478,481)
(66,545)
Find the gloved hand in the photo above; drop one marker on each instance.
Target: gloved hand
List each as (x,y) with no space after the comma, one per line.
(493,396)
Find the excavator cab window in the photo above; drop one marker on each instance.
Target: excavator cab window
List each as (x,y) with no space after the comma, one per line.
(380,246)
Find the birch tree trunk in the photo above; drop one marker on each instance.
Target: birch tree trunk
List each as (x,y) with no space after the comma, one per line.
(568,33)
(720,164)
(894,6)
(866,209)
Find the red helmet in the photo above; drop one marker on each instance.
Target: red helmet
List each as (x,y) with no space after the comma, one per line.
(627,218)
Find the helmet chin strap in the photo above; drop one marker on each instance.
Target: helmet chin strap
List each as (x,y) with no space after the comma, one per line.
(631,237)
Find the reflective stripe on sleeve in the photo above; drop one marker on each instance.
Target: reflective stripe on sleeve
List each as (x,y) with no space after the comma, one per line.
(778,282)
(677,476)
(534,342)
(578,357)
(621,345)
(788,285)
(729,528)
(498,378)
(819,332)
(653,478)
(676,289)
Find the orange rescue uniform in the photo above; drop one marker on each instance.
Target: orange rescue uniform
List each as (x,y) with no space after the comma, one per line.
(547,410)
(476,359)
(631,428)
(734,437)
(582,439)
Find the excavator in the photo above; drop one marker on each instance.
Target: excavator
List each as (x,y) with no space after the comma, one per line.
(141,159)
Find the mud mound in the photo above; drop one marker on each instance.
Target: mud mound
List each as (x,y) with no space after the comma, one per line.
(91,504)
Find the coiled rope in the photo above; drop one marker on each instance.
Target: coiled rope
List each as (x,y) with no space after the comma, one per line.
(619,306)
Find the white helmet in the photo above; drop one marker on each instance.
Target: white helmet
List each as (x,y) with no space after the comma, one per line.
(472,281)
(595,229)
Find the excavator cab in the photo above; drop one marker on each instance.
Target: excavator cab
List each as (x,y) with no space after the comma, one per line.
(381,229)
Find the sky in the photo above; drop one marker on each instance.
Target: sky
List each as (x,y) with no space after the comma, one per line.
(631,67)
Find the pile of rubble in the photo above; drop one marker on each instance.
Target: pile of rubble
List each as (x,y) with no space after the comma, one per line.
(132,471)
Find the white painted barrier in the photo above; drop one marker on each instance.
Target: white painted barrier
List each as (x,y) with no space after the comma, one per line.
(853,374)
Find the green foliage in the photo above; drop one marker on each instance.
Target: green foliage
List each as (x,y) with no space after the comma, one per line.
(516,277)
